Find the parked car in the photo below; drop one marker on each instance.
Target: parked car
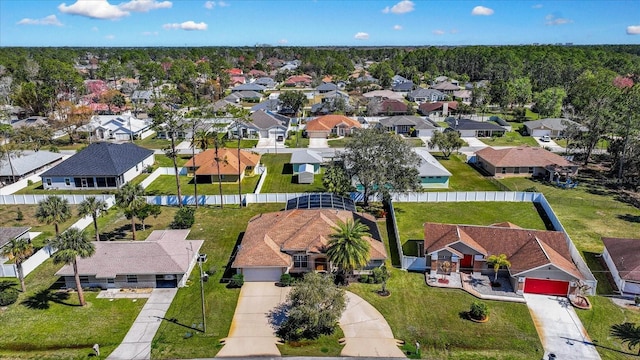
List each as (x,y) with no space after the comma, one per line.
(545,138)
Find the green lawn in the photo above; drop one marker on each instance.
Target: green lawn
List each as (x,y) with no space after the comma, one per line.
(280,178)
(36,188)
(510,138)
(165,161)
(166,185)
(464,177)
(221,229)
(45,324)
(337,143)
(323,346)
(8,218)
(296,140)
(432,316)
(115,226)
(411,216)
(151,142)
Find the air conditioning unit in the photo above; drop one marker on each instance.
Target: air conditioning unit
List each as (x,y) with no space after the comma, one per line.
(202,258)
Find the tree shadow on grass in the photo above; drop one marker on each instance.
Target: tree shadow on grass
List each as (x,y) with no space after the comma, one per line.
(287,169)
(8,284)
(123,232)
(594,343)
(228,270)
(630,218)
(42,299)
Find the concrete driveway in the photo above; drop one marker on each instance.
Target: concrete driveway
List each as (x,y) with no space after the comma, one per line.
(474,142)
(559,328)
(316,143)
(137,343)
(366,332)
(250,333)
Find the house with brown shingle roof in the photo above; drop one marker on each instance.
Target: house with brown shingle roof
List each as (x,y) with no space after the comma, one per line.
(205,165)
(622,256)
(339,125)
(164,259)
(524,161)
(295,241)
(540,260)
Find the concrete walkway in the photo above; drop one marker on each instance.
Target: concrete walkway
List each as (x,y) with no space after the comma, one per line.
(250,333)
(137,342)
(366,332)
(559,328)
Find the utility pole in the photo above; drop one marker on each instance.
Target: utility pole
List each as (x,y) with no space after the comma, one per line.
(202,280)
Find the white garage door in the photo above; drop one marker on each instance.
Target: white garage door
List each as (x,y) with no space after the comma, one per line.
(633,288)
(262,274)
(123,137)
(540,132)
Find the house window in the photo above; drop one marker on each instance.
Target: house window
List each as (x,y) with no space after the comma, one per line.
(516,170)
(531,170)
(84,278)
(132,278)
(48,181)
(503,170)
(300,261)
(67,181)
(137,168)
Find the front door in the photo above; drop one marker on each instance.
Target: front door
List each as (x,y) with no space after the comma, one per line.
(466,263)
(320,264)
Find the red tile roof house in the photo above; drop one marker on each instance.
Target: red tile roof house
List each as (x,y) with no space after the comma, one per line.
(622,256)
(206,168)
(295,241)
(323,126)
(164,259)
(524,161)
(540,260)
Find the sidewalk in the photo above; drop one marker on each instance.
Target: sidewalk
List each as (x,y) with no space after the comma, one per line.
(137,343)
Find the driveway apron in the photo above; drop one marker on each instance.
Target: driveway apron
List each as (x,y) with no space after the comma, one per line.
(559,328)
(137,342)
(366,332)
(250,333)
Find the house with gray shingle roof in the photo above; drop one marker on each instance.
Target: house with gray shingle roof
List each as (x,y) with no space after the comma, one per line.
(263,125)
(471,128)
(306,156)
(165,259)
(552,127)
(408,125)
(26,164)
(100,165)
(249,87)
(421,95)
(10,233)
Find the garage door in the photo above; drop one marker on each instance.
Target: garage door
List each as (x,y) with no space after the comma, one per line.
(546,287)
(262,274)
(541,132)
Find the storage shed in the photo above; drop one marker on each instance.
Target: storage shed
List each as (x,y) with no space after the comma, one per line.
(306,173)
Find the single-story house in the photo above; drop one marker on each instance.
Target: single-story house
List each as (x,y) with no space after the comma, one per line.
(244,95)
(298,81)
(164,260)
(339,125)
(264,125)
(391,107)
(327,88)
(7,234)
(550,127)
(422,95)
(472,128)
(433,175)
(463,96)
(524,161)
(26,164)
(501,122)
(249,87)
(306,156)
(267,82)
(446,87)
(403,87)
(295,241)
(30,121)
(408,125)
(541,262)
(383,94)
(622,256)
(100,165)
(274,105)
(206,169)
(122,127)
(438,108)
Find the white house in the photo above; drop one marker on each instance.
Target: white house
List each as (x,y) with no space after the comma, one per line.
(623,259)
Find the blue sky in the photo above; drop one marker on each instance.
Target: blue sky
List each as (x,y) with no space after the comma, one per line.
(316,22)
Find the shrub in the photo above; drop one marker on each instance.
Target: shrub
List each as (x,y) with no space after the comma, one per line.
(479,310)
(212,270)
(237,281)
(363,279)
(285,279)
(54,149)
(19,215)
(184,218)
(29,182)
(637,300)
(8,296)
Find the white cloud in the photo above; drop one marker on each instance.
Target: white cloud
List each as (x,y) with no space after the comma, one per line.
(633,30)
(47,20)
(537,6)
(438,32)
(187,25)
(110,37)
(144,5)
(96,9)
(556,20)
(210,4)
(397,27)
(362,36)
(402,7)
(150,33)
(283,41)
(481,10)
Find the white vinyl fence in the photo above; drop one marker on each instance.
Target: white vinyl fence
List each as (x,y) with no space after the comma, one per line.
(30,199)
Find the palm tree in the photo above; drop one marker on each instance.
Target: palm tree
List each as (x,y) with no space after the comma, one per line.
(240,116)
(130,198)
(53,210)
(201,140)
(628,333)
(72,244)
(217,143)
(19,250)
(498,261)
(347,248)
(94,207)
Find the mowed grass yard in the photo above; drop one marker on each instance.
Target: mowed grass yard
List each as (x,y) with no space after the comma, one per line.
(8,218)
(464,176)
(280,177)
(166,185)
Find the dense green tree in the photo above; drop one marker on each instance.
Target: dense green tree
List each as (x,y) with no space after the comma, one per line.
(380,162)
(447,142)
(336,180)
(130,198)
(72,244)
(94,207)
(520,91)
(347,248)
(18,250)
(53,210)
(548,103)
(293,100)
(312,309)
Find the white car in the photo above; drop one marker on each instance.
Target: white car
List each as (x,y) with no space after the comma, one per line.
(545,138)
